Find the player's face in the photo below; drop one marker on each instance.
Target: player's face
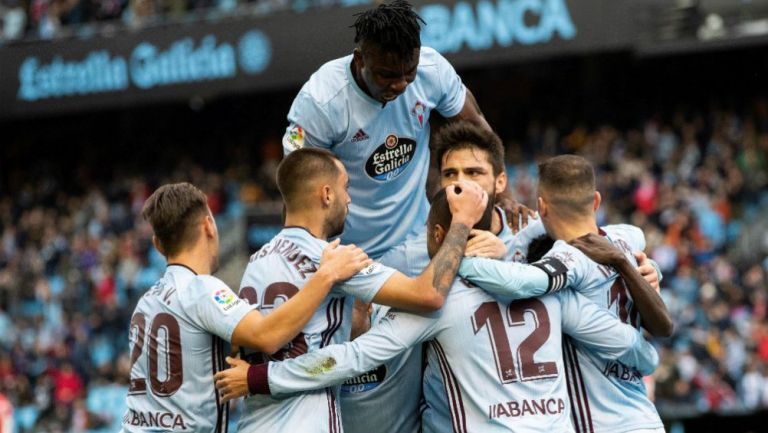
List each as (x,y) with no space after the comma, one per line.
(472,165)
(385,75)
(340,206)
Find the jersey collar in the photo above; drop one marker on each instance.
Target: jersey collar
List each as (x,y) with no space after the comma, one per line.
(300,228)
(174,266)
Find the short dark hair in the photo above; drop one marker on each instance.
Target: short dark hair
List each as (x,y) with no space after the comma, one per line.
(173,211)
(568,181)
(394,27)
(539,247)
(440,213)
(466,135)
(301,168)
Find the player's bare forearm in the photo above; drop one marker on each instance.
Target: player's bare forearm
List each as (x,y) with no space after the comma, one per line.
(446,262)
(655,316)
(269,333)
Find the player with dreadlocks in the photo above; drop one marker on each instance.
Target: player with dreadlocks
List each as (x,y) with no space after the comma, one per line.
(371,109)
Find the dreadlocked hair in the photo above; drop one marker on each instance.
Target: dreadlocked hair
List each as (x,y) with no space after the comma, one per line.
(393,26)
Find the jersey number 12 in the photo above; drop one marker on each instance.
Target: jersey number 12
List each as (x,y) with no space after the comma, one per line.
(489,315)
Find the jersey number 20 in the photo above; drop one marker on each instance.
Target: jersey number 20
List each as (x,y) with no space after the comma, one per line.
(489,315)
(163,326)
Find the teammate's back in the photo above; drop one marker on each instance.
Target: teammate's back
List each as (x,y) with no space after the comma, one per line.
(277,272)
(501,363)
(177,335)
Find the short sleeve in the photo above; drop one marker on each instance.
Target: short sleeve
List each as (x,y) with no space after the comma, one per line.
(308,125)
(366,283)
(633,234)
(214,306)
(452,90)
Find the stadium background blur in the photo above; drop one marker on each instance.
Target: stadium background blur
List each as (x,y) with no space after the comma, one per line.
(674,116)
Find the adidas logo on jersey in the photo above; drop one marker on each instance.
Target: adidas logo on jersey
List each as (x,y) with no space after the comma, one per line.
(360,135)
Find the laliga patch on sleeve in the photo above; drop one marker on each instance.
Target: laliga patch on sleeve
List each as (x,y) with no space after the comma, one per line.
(294,138)
(226,300)
(373,267)
(555,270)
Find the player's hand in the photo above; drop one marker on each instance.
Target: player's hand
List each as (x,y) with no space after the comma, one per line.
(467,202)
(599,249)
(483,243)
(647,270)
(341,262)
(232,382)
(516,212)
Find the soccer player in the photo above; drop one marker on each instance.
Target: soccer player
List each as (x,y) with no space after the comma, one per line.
(314,183)
(607,396)
(179,325)
(502,362)
(465,152)
(371,109)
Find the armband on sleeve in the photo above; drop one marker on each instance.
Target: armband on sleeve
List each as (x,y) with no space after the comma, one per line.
(258,379)
(555,270)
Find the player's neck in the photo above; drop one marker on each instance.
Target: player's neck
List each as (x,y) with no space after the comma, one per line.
(496,222)
(310,222)
(195,259)
(572,229)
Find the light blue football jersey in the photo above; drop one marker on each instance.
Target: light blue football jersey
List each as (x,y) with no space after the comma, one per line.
(274,274)
(502,363)
(387,398)
(607,396)
(384,147)
(177,335)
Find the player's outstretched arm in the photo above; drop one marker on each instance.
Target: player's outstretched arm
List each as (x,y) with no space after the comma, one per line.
(655,316)
(330,365)
(515,280)
(428,291)
(269,333)
(595,328)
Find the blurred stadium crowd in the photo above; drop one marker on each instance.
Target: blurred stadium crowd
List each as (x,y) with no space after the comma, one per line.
(73,264)
(46,19)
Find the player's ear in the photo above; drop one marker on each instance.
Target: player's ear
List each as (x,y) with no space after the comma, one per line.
(597,200)
(439,234)
(542,205)
(357,57)
(326,195)
(209,225)
(158,246)
(501,183)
